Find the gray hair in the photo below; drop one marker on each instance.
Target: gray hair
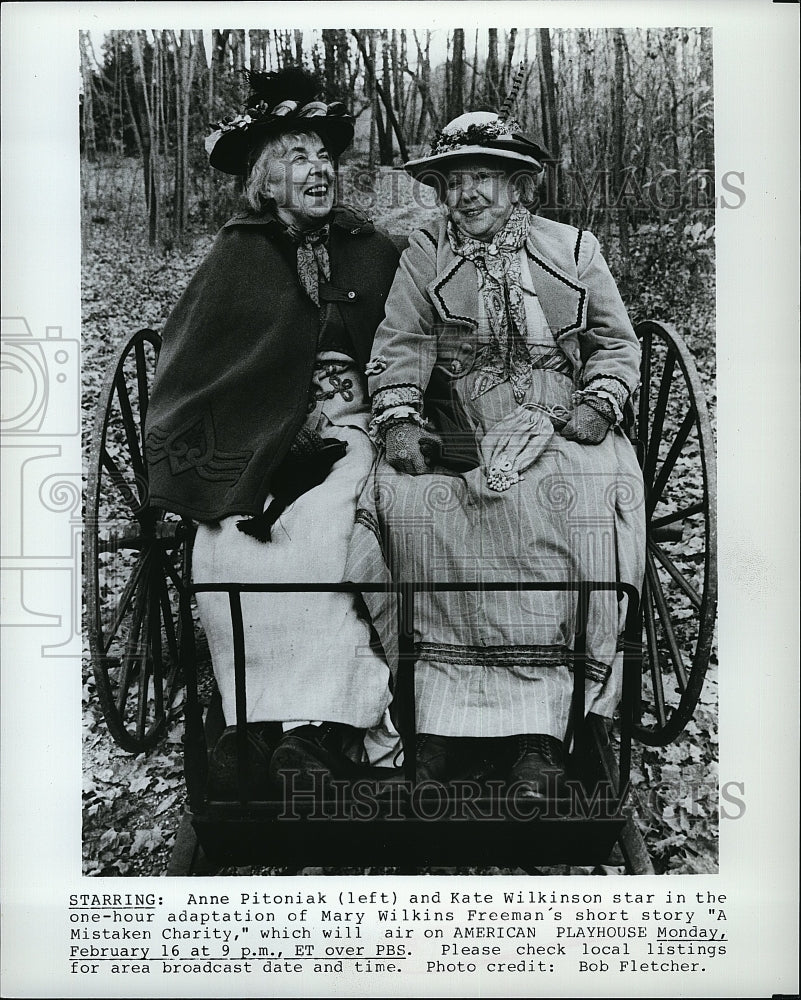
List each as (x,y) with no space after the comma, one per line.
(261,160)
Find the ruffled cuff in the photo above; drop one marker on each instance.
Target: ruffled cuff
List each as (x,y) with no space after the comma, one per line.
(393,404)
(397,395)
(393,415)
(605,389)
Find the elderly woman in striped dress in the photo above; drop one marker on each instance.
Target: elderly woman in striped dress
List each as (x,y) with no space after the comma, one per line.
(498,381)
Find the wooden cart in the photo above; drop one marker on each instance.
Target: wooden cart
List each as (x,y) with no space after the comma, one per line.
(143,634)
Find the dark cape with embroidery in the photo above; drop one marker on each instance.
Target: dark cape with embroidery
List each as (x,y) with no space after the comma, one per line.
(233,375)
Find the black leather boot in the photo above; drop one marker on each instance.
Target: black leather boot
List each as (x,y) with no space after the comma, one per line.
(444,758)
(223,779)
(538,770)
(307,756)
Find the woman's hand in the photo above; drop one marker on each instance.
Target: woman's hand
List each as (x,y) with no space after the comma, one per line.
(410,448)
(586,425)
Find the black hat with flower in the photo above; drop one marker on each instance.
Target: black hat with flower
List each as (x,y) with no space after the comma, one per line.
(287,100)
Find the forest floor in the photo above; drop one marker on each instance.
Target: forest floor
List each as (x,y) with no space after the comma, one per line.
(133,803)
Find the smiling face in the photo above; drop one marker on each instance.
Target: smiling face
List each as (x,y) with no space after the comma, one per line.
(480,197)
(298,176)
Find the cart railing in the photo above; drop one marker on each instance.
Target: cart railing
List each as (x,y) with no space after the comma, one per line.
(196,760)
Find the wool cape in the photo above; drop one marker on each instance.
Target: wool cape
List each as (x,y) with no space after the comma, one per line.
(233,374)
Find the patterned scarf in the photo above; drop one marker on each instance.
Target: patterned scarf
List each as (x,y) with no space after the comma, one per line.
(506,357)
(313,259)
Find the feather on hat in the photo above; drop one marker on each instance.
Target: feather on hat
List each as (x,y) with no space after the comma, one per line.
(481,133)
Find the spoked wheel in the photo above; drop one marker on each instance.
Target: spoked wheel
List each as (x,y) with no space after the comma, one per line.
(136,561)
(679,599)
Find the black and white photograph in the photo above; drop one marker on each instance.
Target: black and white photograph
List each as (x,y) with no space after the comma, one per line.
(519,407)
(399,499)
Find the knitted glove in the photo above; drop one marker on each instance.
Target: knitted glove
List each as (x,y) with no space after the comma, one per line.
(586,425)
(307,441)
(410,448)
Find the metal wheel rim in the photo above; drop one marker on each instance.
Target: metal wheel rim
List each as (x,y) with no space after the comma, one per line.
(671,722)
(146,585)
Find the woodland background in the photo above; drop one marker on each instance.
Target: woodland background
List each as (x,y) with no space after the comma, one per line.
(627,117)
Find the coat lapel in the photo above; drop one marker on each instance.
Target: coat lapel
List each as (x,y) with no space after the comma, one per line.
(454,291)
(563,298)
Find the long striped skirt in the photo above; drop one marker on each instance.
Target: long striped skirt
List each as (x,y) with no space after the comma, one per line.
(497,663)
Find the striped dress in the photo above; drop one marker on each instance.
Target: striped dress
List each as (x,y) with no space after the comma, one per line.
(494,664)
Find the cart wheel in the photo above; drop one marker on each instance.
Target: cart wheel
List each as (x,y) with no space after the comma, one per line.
(137,561)
(679,600)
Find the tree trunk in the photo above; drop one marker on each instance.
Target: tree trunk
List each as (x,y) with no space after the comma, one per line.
(343,65)
(87,106)
(372,155)
(492,71)
(424,86)
(475,74)
(188,60)
(219,44)
(384,143)
(288,54)
(238,49)
(150,153)
(618,142)
(402,95)
(330,65)
(456,94)
(524,101)
(397,82)
(254,36)
(707,155)
(385,92)
(317,62)
(550,120)
(669,62)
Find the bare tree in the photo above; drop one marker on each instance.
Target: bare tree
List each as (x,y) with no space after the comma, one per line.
(423,82)
(184,55)
(492,87)
(330,64)
(621,111)
(455,97)
(87,103)
(618,142)
(149,139)
(381,98)
(474,76)
(550,120)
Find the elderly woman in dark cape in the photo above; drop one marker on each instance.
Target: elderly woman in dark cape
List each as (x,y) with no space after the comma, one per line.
(498,379)
(257,430)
